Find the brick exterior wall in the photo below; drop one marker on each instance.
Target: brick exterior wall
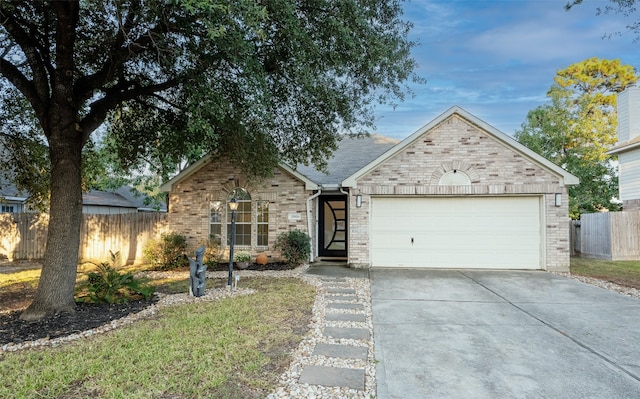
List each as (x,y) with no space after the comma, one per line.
(190,199)
(493,168)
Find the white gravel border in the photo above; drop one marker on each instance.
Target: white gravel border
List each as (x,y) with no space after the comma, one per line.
(608,285)
(288,386)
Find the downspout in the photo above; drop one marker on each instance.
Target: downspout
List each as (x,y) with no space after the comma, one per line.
(309,226)
(348,219)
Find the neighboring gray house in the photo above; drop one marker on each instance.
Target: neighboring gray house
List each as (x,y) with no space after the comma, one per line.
(11,200)
(457,193)
(106,203)
(123,200)
(628,148)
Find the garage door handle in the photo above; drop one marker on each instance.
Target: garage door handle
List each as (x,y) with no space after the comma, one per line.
(411,240)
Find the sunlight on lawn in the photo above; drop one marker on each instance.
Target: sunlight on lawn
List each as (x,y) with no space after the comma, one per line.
(22,277)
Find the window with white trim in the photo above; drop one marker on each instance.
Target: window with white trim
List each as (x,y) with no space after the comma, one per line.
(215,221)
(243,217)
(252,220)
(262,223)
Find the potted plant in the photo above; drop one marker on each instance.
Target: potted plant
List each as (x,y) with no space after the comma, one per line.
(242,259)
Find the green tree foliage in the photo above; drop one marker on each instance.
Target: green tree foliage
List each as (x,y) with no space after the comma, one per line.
(256,81)
(578,126)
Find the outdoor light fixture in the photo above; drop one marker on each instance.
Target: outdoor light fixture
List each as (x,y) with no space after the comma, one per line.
(558,199)
(358,200)
(233,205)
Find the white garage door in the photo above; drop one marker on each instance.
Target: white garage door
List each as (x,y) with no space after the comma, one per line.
(456,232)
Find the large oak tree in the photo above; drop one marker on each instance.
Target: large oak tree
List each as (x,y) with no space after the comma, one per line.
(260,81)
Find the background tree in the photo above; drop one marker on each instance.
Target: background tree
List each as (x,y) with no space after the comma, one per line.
(578,127)
(626,8)
(257,81)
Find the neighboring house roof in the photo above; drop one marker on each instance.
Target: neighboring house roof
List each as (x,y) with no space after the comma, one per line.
(624,147)
(103,198)
(139,198)
(168,186)
(9,192)
(352,154)
(568,178)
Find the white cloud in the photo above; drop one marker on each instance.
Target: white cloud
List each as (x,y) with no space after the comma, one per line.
(499,57)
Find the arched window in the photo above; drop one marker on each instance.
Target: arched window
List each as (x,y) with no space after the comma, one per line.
(455,178)
(252,220)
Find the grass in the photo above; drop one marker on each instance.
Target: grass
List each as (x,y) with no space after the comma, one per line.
(623,272)
(232,348)
(27,277)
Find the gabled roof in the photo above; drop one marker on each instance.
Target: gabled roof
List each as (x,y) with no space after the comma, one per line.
(193,168)
(624,147)
(568,178)
(351,155)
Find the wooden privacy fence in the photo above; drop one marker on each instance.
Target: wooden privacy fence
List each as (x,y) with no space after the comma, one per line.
(23,236)
(607,235)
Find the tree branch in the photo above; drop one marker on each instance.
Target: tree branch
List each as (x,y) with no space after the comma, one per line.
(118,56)
(29,46)
(24,85)
(101,107)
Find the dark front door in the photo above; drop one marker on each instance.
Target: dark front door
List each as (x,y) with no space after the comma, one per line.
(333,226)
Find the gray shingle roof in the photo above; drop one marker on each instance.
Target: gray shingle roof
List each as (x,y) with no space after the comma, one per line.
(351,155)
(123,197)
(104,198)
(138,198)
(8,189)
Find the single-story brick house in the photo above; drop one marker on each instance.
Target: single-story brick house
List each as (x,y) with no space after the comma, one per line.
(457,193)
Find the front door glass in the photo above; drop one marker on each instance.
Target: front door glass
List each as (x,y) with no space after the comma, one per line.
(334,226)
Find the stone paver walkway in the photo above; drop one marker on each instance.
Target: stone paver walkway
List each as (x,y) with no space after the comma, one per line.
(345,301)
(341,361)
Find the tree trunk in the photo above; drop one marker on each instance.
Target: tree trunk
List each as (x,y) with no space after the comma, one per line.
(55,292)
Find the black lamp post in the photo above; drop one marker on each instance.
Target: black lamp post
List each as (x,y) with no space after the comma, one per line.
(233,205)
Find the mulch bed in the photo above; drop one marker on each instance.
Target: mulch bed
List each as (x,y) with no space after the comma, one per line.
(86,317)
(252,266)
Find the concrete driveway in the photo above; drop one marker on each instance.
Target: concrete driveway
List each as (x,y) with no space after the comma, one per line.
(502,334)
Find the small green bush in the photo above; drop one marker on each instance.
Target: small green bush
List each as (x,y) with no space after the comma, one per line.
(168,252)
(294,246)
(242,256)
(212,253)
(107,285)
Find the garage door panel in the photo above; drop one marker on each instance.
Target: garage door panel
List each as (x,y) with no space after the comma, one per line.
(480,232)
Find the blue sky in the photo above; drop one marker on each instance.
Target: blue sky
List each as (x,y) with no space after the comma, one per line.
(497,58)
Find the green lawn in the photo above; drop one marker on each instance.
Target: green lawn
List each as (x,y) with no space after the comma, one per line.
(623,272)
(232,348)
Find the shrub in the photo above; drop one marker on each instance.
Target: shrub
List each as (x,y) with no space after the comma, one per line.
(107,285)
(212,253)
(168,252)
(294,246)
